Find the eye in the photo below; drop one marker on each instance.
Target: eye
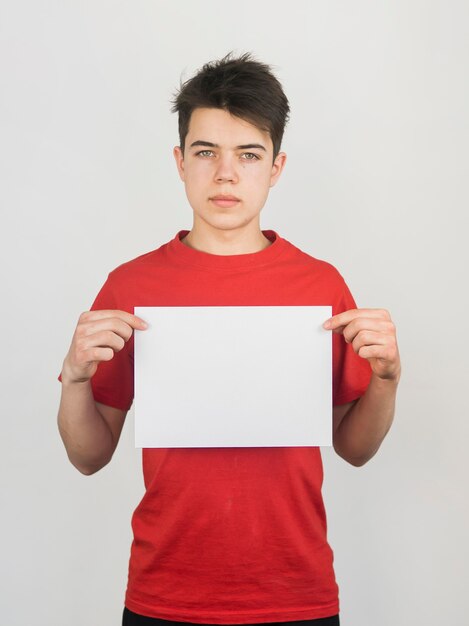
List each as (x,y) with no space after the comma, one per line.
(251,154)
(203,152)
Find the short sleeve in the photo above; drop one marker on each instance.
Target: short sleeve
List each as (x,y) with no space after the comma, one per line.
(351,373)
(113,382)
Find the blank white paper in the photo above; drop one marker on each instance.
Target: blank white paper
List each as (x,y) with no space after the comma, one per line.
(233,376)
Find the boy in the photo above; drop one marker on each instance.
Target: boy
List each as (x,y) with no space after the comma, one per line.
(228,535)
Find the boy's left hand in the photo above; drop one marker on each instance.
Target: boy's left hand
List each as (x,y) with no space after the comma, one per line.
(373,337)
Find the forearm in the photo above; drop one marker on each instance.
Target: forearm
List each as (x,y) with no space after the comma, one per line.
(363,428)
(86,436)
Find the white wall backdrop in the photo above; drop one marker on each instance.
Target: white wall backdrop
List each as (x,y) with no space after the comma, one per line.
(376,183)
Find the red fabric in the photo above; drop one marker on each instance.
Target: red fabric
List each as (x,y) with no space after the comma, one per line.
(229,535)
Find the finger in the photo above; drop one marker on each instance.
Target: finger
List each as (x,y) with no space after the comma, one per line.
(97,354)
(342,319)
(113,324)
(129,318)
(372,352)
(367,323)
(103,339)
(369,338)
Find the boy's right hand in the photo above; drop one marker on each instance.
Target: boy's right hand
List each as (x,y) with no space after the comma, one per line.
(98,336)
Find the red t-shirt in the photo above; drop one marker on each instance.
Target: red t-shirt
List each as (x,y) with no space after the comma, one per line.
(229,535)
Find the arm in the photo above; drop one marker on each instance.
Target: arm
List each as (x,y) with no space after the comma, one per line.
(90,430)
(359,427)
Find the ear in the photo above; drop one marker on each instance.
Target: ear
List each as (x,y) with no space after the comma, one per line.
(277,167)
(179,158)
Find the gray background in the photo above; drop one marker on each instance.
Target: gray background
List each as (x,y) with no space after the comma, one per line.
(375,183)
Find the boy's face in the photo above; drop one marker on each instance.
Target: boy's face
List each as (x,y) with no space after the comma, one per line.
(226,169)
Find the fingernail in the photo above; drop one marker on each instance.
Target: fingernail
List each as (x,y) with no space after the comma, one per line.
(327,324)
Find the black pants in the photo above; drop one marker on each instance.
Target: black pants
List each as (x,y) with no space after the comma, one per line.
(132,619)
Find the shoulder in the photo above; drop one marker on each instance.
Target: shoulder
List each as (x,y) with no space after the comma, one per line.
(315,266)
(134,267)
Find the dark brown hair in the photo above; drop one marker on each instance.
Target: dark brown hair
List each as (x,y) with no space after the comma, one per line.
(242,86)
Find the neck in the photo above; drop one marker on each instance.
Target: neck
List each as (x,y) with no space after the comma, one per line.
(226,242)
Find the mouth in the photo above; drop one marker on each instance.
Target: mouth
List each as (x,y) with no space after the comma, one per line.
(225,201)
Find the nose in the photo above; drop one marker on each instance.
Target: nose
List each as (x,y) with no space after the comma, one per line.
(226,170)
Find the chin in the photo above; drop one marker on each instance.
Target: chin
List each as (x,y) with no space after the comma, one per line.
(229,223)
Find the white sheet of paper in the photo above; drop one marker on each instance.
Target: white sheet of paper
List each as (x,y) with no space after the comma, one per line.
(233,376)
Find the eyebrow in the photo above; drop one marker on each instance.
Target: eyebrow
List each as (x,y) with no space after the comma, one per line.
(245,146)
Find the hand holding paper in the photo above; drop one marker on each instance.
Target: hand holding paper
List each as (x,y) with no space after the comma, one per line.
(98,336)
(373,337)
